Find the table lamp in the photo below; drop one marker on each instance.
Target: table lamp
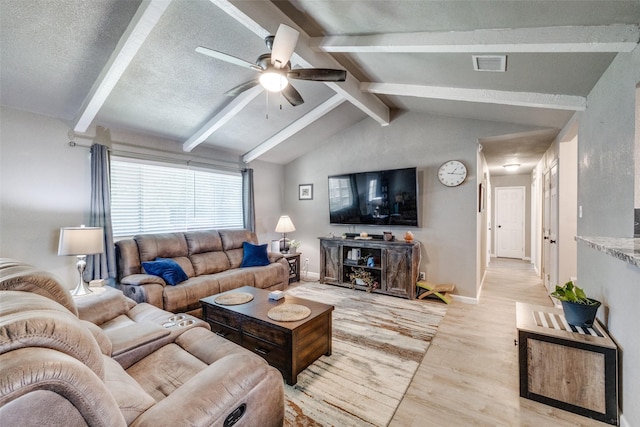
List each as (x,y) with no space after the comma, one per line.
(285,225)
(81,241)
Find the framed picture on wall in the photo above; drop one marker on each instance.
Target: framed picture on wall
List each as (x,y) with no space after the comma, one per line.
(305,192)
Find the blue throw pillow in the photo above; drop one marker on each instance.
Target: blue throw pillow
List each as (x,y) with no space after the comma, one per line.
(254,255)
(166,268)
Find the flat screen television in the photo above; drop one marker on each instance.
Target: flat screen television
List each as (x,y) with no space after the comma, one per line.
(385,198)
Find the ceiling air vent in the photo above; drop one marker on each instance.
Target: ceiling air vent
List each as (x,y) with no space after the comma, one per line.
(496,63)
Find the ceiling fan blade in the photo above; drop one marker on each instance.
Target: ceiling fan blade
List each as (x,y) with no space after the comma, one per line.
(292,95)
(226,57)
(283,45)
(318,74)
(242,87)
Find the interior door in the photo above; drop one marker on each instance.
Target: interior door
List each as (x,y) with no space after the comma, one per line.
(509,223)
(550,229)
(546,218)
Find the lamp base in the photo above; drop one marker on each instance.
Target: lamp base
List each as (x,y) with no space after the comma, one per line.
(82,288)
(284,245)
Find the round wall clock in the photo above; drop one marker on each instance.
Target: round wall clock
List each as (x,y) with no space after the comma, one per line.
(452,173)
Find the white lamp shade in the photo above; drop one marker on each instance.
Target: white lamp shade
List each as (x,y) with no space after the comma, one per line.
(81,241)
(285,225)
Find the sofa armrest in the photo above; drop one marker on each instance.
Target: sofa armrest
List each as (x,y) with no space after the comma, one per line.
(210,397)
(143,288)
(142,279)
(275,256)
(129,338)
(41,386)
(104,306)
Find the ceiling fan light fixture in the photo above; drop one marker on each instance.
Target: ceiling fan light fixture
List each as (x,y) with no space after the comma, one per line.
(511,167)
(273,81)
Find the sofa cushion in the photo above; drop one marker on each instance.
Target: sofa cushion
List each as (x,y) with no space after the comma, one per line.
(151,372)
(130,397)
(186,296)
(203,241)
(233,239)
(205,252)
(254,255)
(163,245)
(235,278)
(209,263)
(166,268)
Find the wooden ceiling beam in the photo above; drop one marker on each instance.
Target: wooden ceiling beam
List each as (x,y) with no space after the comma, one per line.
(263,18)
(147,16)
(522,99)
(220,119)
(294,128)
(601,38)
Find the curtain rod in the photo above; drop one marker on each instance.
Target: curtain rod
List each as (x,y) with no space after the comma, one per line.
(226,164)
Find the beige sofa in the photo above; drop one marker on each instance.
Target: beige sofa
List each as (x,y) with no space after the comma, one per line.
(120,363)
(211,260)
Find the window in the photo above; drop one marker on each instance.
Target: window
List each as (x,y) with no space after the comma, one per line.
(148,197)
(340,194)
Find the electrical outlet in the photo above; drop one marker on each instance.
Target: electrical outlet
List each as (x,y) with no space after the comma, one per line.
(423,275)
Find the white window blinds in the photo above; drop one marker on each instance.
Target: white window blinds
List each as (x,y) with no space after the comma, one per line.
(149,197)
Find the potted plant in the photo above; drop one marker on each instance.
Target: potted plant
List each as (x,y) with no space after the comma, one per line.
(360,276)
(293,246)
(578,309)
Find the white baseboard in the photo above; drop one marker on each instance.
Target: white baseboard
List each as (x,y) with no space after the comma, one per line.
(310,277)
(624,422)
(466,300)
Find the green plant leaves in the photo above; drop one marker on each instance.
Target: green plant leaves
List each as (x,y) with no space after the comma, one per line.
(570,292)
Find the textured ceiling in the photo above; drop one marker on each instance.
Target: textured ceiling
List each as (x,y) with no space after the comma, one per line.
(52,54)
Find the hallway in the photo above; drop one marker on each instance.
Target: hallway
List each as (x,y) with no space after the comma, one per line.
(469,376)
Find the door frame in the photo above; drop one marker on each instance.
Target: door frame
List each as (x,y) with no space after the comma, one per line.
(497,211)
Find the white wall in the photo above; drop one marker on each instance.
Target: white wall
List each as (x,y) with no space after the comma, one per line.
(567,210)
(448,216)
(606,192)
(269,198)
(45,185)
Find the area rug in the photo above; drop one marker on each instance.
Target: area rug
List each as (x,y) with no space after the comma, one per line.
(378,344)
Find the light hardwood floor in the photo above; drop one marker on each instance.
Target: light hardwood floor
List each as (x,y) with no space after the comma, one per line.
(469,376)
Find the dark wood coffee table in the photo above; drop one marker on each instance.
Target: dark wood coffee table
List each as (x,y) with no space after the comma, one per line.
(288,346)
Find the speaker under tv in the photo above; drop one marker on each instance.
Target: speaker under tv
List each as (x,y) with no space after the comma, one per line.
(378,198)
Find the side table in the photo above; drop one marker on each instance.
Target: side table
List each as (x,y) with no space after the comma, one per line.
(294,266)
(571,368)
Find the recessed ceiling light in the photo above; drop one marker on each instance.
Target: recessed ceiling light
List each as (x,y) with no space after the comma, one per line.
(511,167)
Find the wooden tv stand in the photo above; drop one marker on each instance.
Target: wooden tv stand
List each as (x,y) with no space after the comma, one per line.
(396,264)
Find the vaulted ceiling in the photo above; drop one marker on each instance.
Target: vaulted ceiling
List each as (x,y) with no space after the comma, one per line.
(132,65)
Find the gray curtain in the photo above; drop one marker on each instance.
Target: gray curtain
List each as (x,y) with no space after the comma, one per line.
(101,266)
(247,200)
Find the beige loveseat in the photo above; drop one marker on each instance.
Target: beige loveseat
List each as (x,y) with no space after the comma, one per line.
(211,259)
(132,368)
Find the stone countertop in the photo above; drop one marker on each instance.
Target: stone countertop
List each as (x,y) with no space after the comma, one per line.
(623,248)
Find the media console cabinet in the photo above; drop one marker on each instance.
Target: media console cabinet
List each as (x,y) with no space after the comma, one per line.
(395,264)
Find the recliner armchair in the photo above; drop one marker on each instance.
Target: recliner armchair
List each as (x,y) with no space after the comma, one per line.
(56,369)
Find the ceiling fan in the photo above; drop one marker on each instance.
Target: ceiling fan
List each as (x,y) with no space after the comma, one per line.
(275,68)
